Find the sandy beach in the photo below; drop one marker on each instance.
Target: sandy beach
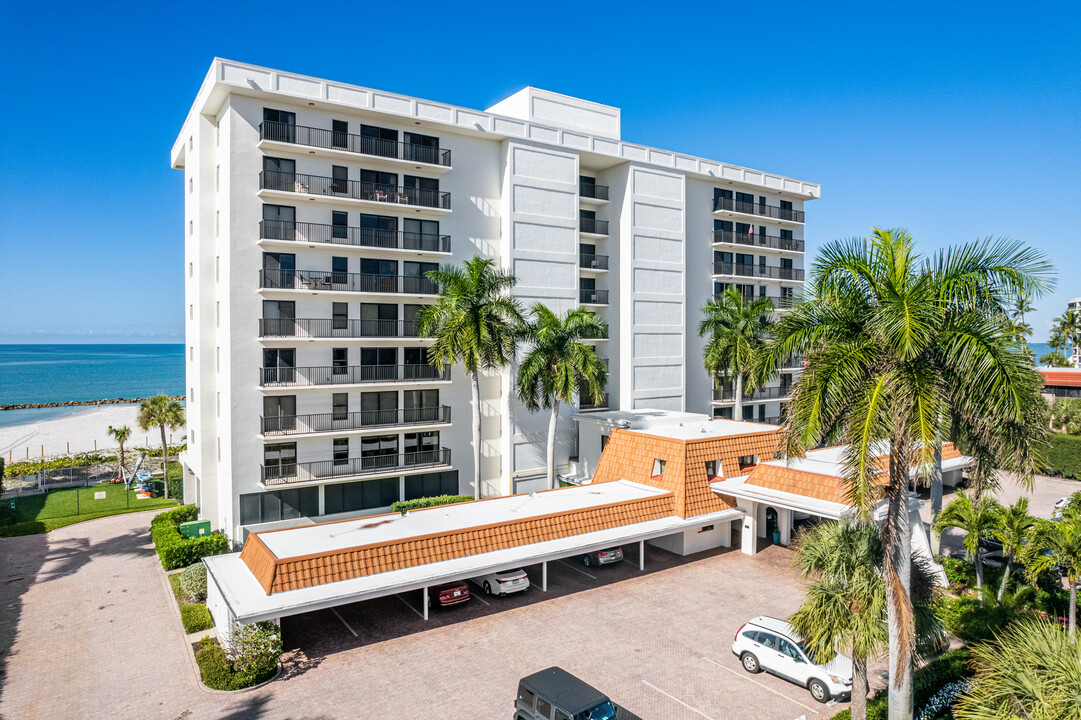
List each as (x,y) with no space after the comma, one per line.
(78,432)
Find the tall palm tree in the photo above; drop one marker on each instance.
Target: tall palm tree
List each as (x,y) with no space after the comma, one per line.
(1057,548)
(558,365)
(474,322)
(738,330)
(163,412)
(1014,528)
(1068,330)
(902,348)
(976,517)
(121,435)
(845,607)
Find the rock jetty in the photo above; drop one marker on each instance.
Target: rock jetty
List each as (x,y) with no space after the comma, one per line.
(72,403)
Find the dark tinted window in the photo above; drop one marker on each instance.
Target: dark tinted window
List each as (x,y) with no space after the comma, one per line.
(279,505)
(544,708)
(525,696)
(431,484)
(767,640)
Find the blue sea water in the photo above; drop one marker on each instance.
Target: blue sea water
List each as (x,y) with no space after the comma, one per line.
(55,373)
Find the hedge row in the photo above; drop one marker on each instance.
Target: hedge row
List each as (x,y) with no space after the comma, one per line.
(404,506)
(195,617)
(926,681)
(177,551)
(218,674)
(1064,456)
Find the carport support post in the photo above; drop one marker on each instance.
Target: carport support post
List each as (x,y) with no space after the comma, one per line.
(641,554)
(544,576)
(424,602)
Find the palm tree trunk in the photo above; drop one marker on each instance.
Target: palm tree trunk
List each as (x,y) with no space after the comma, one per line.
(1005,579)
(552,421)
(164,460)
(979,569)
(897,538)
(1073,608)
(476,435)
(737,409)
(121,471)
(859,688)
(936,497)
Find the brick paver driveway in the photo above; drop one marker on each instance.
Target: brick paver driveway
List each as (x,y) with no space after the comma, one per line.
(88,629)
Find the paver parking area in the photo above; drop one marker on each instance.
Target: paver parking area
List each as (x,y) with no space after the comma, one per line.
(89,629)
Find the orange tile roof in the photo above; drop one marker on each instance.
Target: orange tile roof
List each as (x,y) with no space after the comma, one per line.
(1060,377)
(276,574)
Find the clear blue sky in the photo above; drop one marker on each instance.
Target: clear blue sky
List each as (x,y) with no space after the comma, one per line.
(955,120)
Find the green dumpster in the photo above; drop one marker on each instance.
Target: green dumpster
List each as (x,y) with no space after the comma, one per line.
(195,528)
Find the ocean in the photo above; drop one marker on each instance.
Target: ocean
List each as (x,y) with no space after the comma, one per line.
(56,373)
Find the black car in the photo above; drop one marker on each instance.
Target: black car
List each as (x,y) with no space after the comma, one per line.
(557,691)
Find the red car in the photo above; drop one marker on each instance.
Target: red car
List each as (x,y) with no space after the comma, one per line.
(452,593)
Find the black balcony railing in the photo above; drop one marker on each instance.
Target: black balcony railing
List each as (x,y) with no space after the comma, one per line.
(593,262)
(750,208)
(361,237)
(590,225)
(768,393)
(337,422)
(593,297)
(781,302)
(290,473)
(349,375)
(758,240)
(337,328)
(332,140)
(346,282)
(772,272)
(586,402)
(592,190)
(355,189)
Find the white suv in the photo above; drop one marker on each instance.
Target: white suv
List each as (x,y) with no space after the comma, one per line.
(766,643)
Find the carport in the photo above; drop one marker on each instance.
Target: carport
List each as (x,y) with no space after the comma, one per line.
(463,541)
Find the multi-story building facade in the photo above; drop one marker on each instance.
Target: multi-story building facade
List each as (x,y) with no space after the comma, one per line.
(313,211)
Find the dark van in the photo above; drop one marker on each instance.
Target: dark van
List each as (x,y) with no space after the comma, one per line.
(555,694)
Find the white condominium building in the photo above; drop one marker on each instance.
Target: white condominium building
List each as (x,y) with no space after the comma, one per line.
(314,209)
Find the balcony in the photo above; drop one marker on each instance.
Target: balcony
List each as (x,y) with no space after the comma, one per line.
(593,262)
(302,232)
(593,297)
(350,375)
(758,240)
(343,421)
(353,189)
(586,402)
(592,191)
(768,393)
(294,473)
(771,272)
(346,142)
(337,328)
(749,208)
(318,280)
(592,226)
(780,302)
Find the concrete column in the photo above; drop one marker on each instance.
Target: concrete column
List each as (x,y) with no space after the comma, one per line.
(641,554)
(750,530)
(544,576)
(784,521)
(424,602)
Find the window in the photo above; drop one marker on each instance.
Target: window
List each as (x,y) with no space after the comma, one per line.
(279,174)
(411,328)
(376,181)
(658,468)
(279,365)
(604,442)
(719,194)
(378,141)
(279,222)
(378,275)
(378,364)
(767,640)
(279,413)
(544,708)
(279,125)
(421,148)
(339,360)
(339,179)
(379,408)
(339,137)
(364,495)
(279,505)
(744,202)
(526,697)
(378,231)
(340,315)
(420,406)
(416,278)
(790,650)
(279,460)
(378,319)
(339,270)
(786,205)
(421,190)
(431,484)
(340,225)
(706,528)
(341,451)
(340,404)
(748,460)
(422,446)
(713,469)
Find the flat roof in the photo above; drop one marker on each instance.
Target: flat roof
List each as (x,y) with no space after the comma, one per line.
(640,419)
(706,430)
(333,536)
(830,460)
(738,488)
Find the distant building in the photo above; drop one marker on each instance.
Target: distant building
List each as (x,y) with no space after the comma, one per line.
(1061,382)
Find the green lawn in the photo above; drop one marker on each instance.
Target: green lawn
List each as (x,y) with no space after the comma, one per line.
(40,513)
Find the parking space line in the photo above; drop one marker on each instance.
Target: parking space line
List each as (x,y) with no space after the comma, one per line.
(478,597)
(406,603)
(347,626)
(673,697)
(567,564)
(745,676)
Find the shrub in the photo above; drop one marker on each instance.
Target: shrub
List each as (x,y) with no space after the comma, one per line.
(255,648)
(404,506)
(926,681)
(973,619)
(219,674)
(193,581)
(1064,456)
(195,617)
(30,467)
(177,551)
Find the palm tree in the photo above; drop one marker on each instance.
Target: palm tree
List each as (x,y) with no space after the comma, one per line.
(162,411)
(976,517)
(845,608)
(1032,669)
(474,322)
(559,365)
(1021,329)
(1054,359)
(737,331)
(1057,548)
(903,348)
(1014,528)
(121,435)
(1066,333)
